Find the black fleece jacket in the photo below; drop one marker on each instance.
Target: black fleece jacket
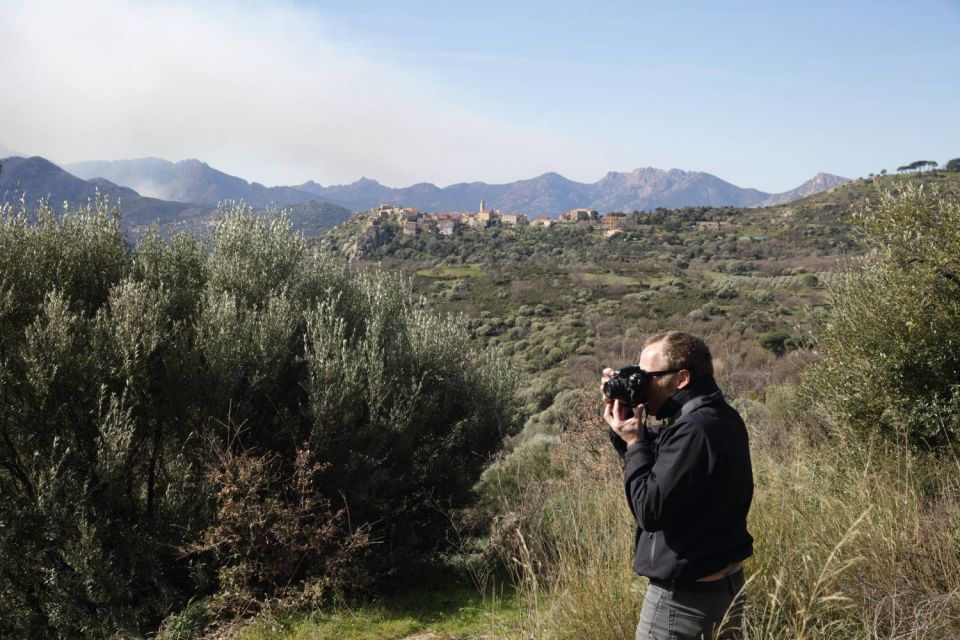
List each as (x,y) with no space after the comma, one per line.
(689,486)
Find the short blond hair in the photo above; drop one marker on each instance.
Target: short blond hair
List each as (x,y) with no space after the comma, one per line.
(684,351)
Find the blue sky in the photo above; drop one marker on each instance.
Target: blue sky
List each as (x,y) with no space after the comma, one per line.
(759,93)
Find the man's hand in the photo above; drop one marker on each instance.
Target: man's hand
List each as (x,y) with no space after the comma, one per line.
(619,418)
(624,421)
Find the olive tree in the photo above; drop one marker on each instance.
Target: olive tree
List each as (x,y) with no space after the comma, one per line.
(154,397)
(890,341)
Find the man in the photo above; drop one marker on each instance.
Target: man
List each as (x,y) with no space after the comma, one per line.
(689,484)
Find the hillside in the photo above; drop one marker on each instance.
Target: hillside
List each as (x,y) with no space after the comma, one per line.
(556,298)
(814,225)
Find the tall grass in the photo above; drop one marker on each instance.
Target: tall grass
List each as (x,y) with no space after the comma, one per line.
(850,541)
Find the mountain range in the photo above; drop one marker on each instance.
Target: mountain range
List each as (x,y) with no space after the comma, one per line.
(549,194)
(184,195)
(186,181)
(35,178)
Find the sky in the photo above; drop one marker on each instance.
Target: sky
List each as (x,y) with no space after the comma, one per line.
(762,94)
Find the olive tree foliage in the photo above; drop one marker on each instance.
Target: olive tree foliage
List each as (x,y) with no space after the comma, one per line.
(890,341)
(124,368)
(400,402)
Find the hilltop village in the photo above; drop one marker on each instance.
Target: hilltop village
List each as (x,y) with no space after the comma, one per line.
(414,221)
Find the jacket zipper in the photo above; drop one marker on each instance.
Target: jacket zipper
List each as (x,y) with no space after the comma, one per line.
(653,547)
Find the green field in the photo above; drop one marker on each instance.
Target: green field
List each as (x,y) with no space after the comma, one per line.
(457,611)
(451,272)
(606,279)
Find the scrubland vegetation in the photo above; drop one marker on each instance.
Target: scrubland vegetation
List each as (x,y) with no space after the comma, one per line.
(220,426)
(243,437)
(857,479)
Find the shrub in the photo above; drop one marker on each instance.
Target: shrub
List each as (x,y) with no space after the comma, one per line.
(509,477)
(760,297)
(119,366)
(188,624)
(776,342)
(890,342)
(811,280)
(272,531)
(726,290)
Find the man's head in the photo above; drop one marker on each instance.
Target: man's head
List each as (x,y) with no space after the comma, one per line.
(685,356)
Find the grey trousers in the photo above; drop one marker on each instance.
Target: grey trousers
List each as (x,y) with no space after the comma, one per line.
(678,614)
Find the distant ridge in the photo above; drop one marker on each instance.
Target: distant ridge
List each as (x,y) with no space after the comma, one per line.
(186,181)
(643,189)
(816,184)
(38,178)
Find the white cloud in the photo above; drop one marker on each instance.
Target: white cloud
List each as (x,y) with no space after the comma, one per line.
(260,92)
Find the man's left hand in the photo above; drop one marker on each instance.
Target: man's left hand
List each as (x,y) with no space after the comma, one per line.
(629,429)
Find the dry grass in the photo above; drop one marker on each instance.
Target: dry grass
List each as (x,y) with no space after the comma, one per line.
(853,540)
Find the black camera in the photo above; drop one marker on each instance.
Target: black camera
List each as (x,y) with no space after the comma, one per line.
(628,385)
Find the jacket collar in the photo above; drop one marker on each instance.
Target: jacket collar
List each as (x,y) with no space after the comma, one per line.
(699,392)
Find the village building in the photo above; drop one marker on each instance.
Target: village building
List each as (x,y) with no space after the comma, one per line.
(579,215)
(513,219)
(385,211)
(427,223)
(447,224)
(542,221)
(413,221)
(614,220)
(469,219)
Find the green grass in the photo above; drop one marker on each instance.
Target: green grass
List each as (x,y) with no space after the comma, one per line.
(660,280)
(451,272)
(715,276)
(449,612)
(608,279)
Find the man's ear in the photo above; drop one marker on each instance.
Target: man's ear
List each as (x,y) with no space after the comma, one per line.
(683,378)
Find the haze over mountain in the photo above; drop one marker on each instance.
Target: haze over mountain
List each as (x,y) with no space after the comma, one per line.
(185,181)
(551,194)
(6,152)
(39,178)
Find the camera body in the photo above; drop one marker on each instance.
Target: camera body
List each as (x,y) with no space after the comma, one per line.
(628,385)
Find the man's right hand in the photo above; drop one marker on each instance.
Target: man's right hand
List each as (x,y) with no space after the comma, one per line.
(624,421)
